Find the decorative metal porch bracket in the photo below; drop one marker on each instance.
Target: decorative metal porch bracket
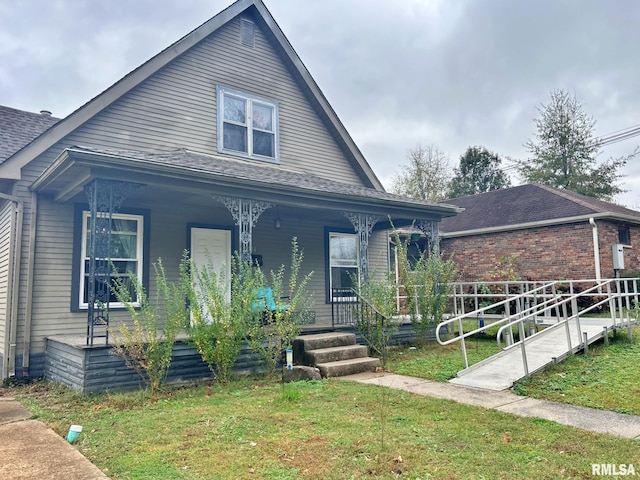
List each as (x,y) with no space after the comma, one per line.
(105,198)
(363,224)
(430,230)
(245,213)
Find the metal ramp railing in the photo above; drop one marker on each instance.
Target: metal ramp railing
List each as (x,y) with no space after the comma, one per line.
(562,306)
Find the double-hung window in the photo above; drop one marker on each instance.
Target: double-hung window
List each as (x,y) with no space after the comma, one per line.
(247,125)
(343,264)
(125,251)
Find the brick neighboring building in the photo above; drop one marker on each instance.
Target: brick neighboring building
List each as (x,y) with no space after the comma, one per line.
(539,233)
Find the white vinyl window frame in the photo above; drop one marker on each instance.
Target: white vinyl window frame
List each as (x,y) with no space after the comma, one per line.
(254,106)
(342,262)
(137,259)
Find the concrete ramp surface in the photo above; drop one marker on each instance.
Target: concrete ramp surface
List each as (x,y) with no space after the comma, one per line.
(555,343)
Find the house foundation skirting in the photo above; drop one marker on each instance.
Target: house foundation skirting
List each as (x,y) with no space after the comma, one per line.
(93,369)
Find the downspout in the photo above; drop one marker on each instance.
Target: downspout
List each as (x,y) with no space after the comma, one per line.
(26,348)
(15,252)
(596,248)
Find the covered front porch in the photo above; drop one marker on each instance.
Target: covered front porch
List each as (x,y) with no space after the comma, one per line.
(131,208)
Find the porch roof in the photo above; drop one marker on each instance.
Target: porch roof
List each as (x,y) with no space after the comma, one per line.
(194,172)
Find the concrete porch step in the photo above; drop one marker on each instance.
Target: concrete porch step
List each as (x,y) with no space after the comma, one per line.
(316,341)
(352,366)
(326,340)
(334,354)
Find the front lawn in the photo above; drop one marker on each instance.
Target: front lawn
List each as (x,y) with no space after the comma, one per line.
(609,378)
(436,362)
(315,430)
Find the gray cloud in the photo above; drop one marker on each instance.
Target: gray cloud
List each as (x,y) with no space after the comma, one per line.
(397,73)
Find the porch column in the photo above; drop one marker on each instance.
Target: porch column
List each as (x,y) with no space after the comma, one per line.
(430,229)
(363,224)
(245,213)
(105,198)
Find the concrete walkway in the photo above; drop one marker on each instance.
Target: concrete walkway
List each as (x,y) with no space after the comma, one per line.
(593,420)
(31,450)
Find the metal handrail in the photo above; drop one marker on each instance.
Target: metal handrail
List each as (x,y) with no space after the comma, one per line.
(557,302)
(462,335)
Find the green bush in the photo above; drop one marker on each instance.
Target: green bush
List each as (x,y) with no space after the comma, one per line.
(270,337)
(379,322)
(147,345)
(427,282)
(218,325)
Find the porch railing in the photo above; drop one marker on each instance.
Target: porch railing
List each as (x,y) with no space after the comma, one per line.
(348,307)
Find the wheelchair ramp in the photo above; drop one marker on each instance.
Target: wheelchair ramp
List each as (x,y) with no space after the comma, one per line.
(500,371)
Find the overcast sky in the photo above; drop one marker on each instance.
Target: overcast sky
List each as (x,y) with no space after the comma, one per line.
(398,73)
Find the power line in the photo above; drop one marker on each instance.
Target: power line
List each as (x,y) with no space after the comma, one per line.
(607,139)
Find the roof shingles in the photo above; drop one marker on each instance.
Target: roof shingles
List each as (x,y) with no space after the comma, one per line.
(524,204)
(253,172)
(19,128)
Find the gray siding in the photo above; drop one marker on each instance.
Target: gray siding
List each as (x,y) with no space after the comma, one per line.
(379,255)
(6,225)
(176,108)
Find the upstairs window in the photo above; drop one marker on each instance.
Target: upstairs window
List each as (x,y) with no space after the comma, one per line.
(247,126)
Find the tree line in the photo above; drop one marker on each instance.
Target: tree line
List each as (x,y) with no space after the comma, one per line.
(562,154)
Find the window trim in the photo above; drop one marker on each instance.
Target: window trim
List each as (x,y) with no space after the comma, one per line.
(251,100)
(77,280)
(328,232)
(624,230)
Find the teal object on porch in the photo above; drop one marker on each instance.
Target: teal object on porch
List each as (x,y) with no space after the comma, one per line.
(264,301)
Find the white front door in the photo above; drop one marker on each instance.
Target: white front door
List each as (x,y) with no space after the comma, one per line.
(212,248)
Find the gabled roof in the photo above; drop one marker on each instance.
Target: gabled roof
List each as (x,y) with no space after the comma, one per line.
(11,167)
(18,128)
(527,206)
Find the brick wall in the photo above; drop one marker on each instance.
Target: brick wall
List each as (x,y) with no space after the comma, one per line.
(542,253)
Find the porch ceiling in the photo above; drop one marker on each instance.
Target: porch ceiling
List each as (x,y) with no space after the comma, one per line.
(188,178)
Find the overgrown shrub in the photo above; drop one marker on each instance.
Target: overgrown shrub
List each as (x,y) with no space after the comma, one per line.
(219,323)
(377,322)
(271,336)
(147,345)
(427,282)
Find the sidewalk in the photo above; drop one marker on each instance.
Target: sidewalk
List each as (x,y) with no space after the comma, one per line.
(31,450)
(590,419)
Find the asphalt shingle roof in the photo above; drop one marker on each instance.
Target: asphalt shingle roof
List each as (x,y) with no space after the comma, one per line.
(524,204)
(18,128)
(254,172)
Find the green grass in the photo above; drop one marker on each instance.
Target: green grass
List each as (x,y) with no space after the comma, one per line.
(315,430)
(436,362)
(608,378)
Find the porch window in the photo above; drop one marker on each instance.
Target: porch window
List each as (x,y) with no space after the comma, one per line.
(344,263)
(247,125)
(126,251)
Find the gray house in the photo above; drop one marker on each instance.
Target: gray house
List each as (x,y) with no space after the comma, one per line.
(220,143)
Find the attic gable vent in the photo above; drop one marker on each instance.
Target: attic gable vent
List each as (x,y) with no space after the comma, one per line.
(247,33)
